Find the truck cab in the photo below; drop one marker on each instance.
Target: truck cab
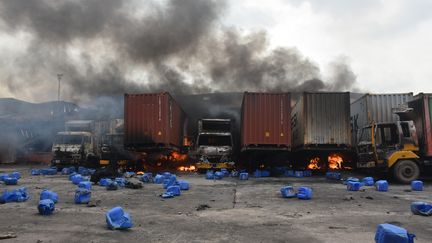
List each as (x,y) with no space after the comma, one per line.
(72,148)
(214,144)
(390,147)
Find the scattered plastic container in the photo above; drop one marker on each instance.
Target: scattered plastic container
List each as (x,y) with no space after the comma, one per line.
(417,185)
(112,186)
(225,172)
(71,175)
(261,173)
(298,173)
(172,181)
(49,171)
(158,179)
(368,181)
(288,192)
(82,196)
(16,175)
(381,185)
(175,190)
(234,173)
(421,208)
(85,184)
(76,179)
(3,176)
(307,173)
(244,176)
(218,175)
(46,206)
(35,172)
(17,195)
(47,194)
(10,180)
(351,179)
(353,186)
(304,193)
(116,218)
(147,177)
(184,185)
(332,175)
(68,171)
(105,182)
(210,175)
(120,181)
(388,233)
(290,173)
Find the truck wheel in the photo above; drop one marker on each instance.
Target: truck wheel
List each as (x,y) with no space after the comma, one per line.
(406,171)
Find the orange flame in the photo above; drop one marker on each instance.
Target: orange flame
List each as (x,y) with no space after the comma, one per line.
(176,156)
(313,164)
(335,162)
(187,168)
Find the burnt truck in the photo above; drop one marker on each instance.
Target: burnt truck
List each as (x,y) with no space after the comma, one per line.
(403,147)
(77,145)
(214,144)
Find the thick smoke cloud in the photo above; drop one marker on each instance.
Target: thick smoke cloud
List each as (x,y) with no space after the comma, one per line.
(106,48)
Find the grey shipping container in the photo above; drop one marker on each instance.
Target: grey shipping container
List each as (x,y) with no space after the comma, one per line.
(322,121)
(377,108)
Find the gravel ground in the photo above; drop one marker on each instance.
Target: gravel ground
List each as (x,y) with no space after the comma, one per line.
(232,211)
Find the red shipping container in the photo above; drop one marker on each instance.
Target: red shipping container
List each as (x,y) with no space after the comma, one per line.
(153,120)
(266,121)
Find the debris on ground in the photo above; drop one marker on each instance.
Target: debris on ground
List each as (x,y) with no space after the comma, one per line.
(8,235)
(133,183)
(348,198)
(202,207)
(92,203)
(116,218)
(369,197)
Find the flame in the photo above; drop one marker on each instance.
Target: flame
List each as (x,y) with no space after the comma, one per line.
(176,156)
(313,164)
(187,168)
(335,162)
(187,141)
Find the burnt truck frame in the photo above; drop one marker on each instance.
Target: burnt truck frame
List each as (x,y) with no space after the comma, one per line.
(214,144)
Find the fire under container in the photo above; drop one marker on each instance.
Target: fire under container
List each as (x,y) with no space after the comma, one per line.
(265,121)
(376,108)
(321,120)
(421,114)
(153,121)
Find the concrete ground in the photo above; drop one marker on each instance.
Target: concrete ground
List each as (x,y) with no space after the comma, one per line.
(238,211)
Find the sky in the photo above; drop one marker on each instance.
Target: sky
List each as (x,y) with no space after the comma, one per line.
(381,46)
(387,42)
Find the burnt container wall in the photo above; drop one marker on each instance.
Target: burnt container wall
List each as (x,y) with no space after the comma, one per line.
(266,120)
(422,106)
(153,119)
(322,120)
(377,108)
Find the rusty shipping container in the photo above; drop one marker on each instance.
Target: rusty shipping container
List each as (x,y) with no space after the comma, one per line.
(377,108)
(322,121)
(265,121)
(422,117)
(153,120)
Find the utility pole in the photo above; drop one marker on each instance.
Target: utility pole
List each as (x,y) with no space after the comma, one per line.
(59,77)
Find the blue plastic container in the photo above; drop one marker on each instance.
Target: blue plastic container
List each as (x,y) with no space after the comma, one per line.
(49,171)
(244,176)
(332,175)
(304,193)
(10,181)
(234,173)
(288,192)
(112,186)
(47,194)
(3,176)
(210,175)
(307,173)
(298,173)
(421,208)
(184,185)
(417,185)
(166,175)
(381,185)
(82,196)
(46,206)
(290,173)
(16,175)
(353,186)
(225,172)
(175,190)
(71,175)
(116,218)
(388,233)
(147,177)
(158,179)
(68,171)
(85,184)
(368,181)
(218,175)
(120,181)
(105,182)
(35,172)
(76,179)
(17,195)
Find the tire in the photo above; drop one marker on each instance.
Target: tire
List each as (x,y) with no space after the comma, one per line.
(406,171)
